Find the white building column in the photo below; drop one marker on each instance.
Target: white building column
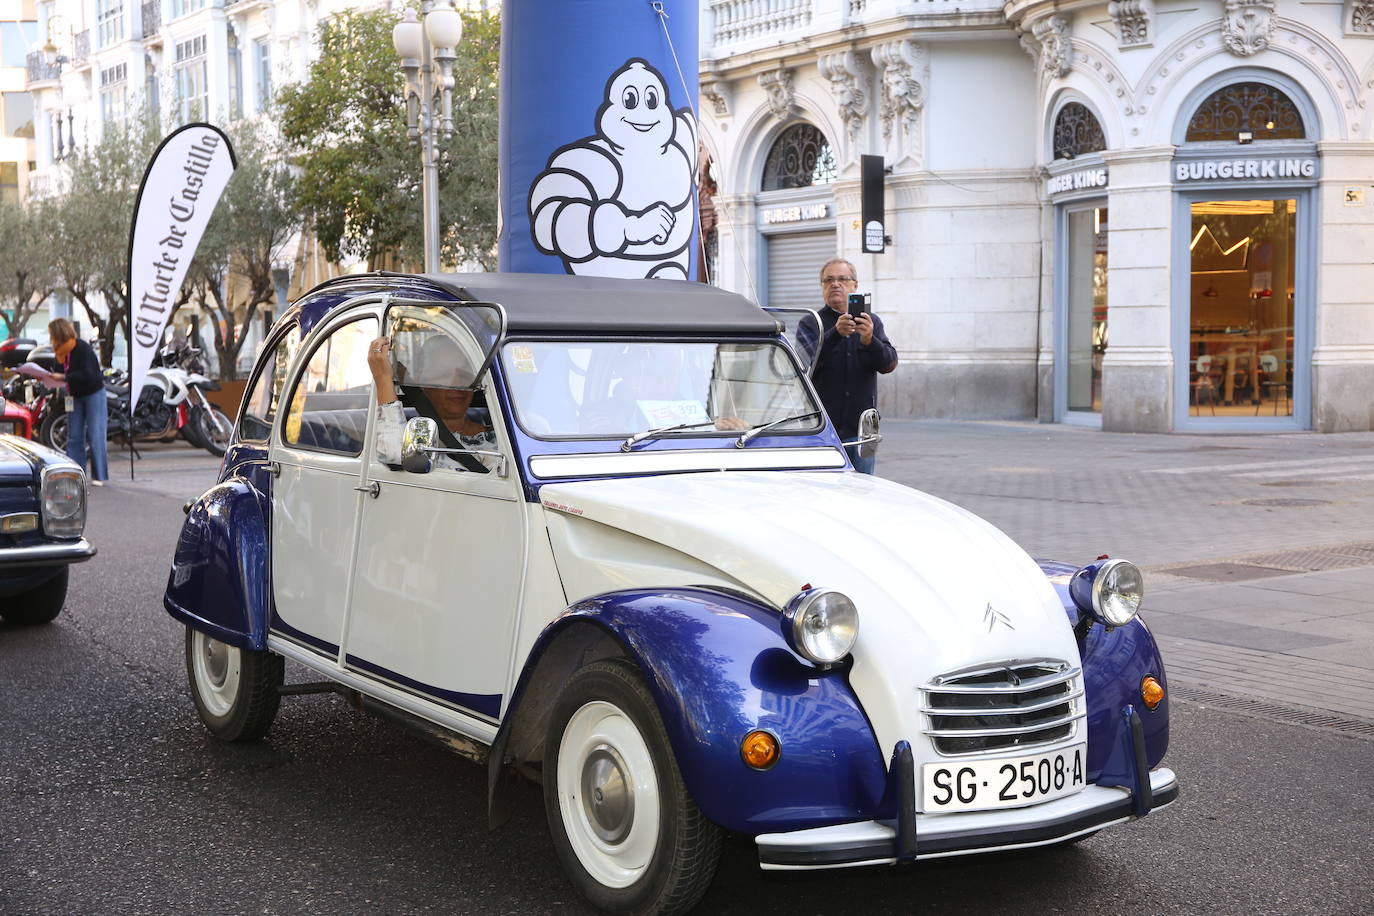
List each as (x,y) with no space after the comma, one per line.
(1343,345)
(737,243)
(1137,368)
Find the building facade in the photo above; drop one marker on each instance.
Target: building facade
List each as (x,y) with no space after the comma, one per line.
(18,30)
(1138,215)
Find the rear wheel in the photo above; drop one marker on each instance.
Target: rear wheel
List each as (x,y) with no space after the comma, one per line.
(627,831)
(213,428)
(37,605)
(54,430)
(236,690)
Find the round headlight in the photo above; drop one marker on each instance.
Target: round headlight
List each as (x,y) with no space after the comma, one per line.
(1117,591)
(64,502)
(821,624)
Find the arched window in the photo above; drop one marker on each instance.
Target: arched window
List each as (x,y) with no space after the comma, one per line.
(800,158)
(1259,109)
(1076,132)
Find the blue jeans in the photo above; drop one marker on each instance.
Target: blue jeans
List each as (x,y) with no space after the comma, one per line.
(87,424)
(862,465)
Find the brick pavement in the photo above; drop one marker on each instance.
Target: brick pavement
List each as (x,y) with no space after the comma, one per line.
(1258,550)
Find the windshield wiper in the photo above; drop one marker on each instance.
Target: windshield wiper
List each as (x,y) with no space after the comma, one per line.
(659,431)
(744,440)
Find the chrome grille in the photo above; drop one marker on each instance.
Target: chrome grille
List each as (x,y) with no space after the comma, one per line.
(1021,704)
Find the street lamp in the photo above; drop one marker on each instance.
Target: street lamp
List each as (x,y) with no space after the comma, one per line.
(427,57)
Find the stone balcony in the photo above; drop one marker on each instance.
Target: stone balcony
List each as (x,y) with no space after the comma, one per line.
(730,27)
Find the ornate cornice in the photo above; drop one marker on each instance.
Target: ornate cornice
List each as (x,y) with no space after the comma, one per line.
(1248,26)
(847,81)
(898,62)
(782,99)
(716,91)
(1048,44)
(1133,19)
(1359,17)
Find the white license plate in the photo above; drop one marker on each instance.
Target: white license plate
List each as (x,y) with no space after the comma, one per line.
(1005,782)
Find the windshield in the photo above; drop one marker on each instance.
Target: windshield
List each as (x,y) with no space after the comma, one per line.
(617,389)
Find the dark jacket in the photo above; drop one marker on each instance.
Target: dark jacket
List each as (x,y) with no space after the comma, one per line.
(846,375)
(83,371)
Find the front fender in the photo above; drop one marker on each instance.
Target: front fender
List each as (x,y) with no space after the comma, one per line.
(718,668)
(1114,663)
(219,580)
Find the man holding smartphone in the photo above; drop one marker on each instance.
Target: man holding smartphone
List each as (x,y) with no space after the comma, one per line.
(853,351)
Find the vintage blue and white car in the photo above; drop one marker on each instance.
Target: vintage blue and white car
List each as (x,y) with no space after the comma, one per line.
(608,539)
(42,520)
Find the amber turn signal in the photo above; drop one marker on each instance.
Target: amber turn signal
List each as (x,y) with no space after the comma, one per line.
(1151,691)
(759,749)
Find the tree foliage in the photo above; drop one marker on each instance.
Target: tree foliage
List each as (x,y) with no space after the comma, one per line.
(231,274)
(90,225)
(26,274)
(360,175)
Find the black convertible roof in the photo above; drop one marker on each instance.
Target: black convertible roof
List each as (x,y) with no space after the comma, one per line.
(563,303)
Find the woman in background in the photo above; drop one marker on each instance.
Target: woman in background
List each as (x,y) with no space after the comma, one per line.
(90,415)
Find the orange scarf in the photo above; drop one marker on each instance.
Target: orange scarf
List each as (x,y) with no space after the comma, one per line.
(64,350)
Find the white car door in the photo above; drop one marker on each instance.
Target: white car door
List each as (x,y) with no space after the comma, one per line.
(318,450)
(440,557)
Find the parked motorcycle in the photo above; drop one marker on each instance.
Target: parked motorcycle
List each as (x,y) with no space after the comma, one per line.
(172,403)
(16,410)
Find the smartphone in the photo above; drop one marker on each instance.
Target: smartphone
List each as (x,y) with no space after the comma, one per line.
(858,304)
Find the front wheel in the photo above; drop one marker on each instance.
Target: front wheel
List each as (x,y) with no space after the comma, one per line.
(236,690)
(54,430)
(627,831)
(37,605)
(213,428)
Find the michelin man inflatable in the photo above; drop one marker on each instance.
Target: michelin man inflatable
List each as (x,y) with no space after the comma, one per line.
(621,203)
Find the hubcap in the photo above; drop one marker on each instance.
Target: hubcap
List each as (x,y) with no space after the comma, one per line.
(215,668)
(608,794)
(606,797)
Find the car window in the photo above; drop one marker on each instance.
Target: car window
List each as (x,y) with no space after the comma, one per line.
(264,393)
(329,404)
(436,364)
(618,388)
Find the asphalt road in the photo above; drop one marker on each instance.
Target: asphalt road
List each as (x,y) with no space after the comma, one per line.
(113,798)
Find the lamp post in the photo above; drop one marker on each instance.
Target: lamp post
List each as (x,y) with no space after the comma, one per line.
(427,57)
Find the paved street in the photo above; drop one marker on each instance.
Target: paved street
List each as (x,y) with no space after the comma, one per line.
(113,798)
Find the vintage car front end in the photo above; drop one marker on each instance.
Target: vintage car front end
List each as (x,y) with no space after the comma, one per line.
(42,522)
(974,706)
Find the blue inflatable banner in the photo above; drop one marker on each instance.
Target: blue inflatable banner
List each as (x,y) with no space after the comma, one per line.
(598,157)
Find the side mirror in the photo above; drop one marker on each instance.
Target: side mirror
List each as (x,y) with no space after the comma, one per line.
(869,437)
(419,436)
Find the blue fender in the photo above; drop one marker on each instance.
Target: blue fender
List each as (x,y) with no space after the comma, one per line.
(1114,663)
(718,668)
(219,582)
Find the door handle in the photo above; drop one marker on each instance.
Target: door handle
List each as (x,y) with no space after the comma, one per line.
(373,489)
(274,468)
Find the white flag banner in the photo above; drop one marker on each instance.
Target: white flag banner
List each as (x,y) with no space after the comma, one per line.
(184,181)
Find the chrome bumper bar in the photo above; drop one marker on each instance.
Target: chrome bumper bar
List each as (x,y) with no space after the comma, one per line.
(938,835)
(52,554)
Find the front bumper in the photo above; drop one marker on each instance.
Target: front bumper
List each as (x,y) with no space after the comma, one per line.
(937,835)
(52,553)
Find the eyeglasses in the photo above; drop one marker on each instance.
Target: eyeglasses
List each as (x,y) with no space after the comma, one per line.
(827,281)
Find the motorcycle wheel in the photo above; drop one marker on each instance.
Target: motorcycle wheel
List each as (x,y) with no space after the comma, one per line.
(53,431)
(214,426)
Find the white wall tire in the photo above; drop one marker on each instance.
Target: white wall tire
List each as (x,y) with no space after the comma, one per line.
(235,690)
(628,833)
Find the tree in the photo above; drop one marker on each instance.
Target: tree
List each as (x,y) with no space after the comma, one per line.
(360,175)
(256,217)
(27,278)
(89,224)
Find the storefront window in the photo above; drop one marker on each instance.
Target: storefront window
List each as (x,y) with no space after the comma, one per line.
(1243,255)
(1086,318)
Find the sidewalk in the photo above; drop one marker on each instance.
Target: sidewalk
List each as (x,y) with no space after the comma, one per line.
(1258,551)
